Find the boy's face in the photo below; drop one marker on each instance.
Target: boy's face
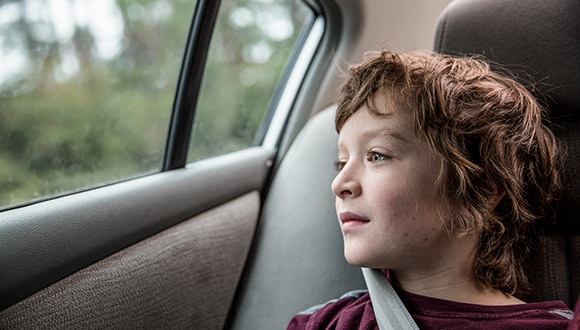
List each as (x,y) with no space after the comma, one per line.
(389,213)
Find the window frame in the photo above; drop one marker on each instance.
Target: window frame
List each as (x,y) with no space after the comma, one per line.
(188,87)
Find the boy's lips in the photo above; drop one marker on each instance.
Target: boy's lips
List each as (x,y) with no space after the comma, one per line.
(349,216)
(351,220)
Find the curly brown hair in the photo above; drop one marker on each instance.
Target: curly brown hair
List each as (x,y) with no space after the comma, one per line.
(488,131)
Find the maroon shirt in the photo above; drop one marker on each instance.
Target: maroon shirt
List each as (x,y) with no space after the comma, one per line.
(354,311)
(575,324)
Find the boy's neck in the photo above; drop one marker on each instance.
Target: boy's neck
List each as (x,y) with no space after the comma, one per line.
(454,285)
(450,276)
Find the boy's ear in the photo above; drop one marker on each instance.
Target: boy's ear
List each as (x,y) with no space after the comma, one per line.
(496,195)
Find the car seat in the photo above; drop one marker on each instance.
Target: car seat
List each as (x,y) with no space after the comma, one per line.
(539,41)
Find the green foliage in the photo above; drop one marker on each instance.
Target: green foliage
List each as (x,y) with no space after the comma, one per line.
(244,65)
(75,116)
(69,136)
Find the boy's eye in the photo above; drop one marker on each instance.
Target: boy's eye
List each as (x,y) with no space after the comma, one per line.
(374,156)
(339,165)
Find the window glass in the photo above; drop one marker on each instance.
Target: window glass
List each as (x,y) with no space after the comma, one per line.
(86,91)
(250,47)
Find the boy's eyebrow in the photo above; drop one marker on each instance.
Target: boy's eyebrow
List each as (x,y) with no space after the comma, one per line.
(395,136)
(388,134)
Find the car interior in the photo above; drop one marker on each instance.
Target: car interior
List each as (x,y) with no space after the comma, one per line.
(248,239)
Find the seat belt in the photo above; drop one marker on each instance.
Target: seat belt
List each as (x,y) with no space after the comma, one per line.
(390,312)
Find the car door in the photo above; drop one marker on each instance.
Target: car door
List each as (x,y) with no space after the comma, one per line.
(137,142)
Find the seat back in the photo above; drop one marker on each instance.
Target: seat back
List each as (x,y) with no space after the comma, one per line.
(542,39)
(297,261)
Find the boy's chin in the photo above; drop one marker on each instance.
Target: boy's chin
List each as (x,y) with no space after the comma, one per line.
(357,259)
(358,255)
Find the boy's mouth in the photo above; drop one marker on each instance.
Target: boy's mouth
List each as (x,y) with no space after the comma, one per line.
(349,216)
(351,220)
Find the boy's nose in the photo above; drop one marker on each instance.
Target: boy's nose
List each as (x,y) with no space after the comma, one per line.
(346,184)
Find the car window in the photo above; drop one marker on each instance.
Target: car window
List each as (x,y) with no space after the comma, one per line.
(252,43)
(87,88)
(86,91)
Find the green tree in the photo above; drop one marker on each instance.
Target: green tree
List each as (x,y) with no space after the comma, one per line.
(87,88)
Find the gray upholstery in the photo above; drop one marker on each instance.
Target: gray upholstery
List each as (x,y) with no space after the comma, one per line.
(182,278)
(538,40)
(298,260)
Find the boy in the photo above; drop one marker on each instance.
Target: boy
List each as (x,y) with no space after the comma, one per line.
(443,166)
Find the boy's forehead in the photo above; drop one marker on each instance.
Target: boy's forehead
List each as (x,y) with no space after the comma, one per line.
(383,106)
(382,102)
(390,125)
(384,116)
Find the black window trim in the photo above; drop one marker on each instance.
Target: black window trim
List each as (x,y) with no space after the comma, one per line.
(205,16)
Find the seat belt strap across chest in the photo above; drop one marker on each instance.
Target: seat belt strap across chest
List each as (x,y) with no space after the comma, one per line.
(390,312)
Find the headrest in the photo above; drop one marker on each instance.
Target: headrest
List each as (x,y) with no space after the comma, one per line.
(538,37)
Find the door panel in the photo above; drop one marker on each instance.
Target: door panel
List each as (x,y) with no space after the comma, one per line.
(46,242)
(185,276)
